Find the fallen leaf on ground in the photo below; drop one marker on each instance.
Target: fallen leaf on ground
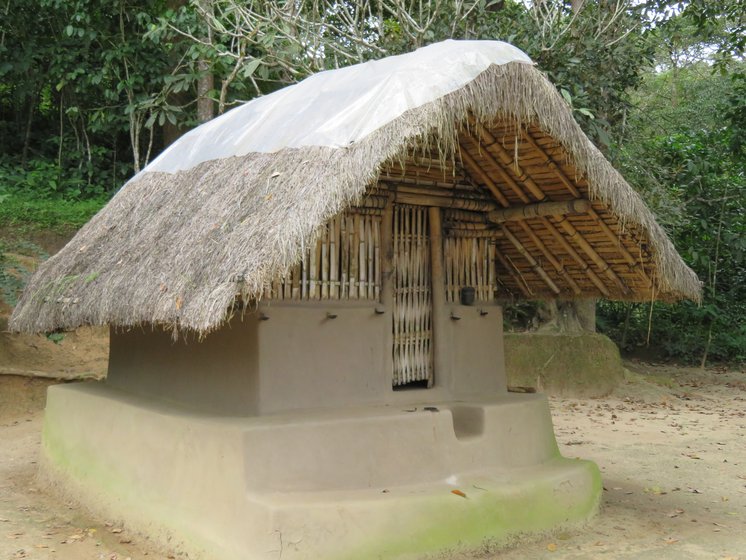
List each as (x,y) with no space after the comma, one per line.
(551,547)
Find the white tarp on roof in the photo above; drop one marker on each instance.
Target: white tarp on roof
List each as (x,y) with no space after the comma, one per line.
(337,107)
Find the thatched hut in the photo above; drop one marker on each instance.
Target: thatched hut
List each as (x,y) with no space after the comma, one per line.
(305,295)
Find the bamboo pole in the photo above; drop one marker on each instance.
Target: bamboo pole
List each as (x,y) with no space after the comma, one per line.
(448,260)
(437,279)
(508,161)
(344,258)
(395,296)
(531,260)
(362,259)
(296,281)
(570,186)
(603,266)
(304,275)
(334,258)
(354,255)
(449,193)
(550,257)
(491,248)
(374,201)
(388,179)
(522,286)
(463,216)
(507,179)
(325,264)
(575,206)
(486,179)
(371,246)
(474,234)
(317,264)
(312,272)
(535,190)
(469,225)
(417,199)
(584,266)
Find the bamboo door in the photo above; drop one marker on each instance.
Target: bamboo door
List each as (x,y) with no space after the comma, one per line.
(412,317)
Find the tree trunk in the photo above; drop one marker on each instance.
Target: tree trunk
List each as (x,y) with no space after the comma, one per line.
(172,132)
(206,82)
(567,317)
(205,104)
(27,134)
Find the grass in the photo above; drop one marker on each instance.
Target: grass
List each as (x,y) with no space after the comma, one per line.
(24,213)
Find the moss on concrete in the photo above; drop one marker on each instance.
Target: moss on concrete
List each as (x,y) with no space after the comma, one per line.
(583,365)
(490,517)
(403,523)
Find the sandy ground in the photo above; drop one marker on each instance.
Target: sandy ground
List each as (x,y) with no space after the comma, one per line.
(35,524)
(81,353)
(671,443)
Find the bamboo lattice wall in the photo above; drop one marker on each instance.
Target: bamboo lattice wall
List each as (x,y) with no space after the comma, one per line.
(413,347)
(344,263)
(470,262)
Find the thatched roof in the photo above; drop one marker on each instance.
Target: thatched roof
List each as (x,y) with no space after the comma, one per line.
(231,205)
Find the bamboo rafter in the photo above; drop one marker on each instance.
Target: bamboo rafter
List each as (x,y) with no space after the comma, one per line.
(515,274)
(531,260)
(522,196)
(550,257)
(570,250)
(632,261)
(474,165)
(476,168)
(508,162)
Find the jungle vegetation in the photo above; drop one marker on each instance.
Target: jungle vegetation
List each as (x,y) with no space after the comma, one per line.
(91,90)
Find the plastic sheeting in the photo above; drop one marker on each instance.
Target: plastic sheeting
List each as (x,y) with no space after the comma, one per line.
(338,107)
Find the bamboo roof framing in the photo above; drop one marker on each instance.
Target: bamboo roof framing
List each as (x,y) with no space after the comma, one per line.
(520,186)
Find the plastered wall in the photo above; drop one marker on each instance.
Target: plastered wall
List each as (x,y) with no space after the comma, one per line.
(289,356)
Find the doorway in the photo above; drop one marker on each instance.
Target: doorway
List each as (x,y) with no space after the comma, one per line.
(413,300)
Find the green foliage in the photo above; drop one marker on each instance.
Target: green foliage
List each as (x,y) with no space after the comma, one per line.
(56,337)
(19,211)
(683,148)
(91,90)
(42,197)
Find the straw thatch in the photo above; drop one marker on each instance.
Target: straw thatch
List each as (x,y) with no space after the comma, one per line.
(181,249)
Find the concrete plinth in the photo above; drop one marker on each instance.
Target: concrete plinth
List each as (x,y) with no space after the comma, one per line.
(364,482)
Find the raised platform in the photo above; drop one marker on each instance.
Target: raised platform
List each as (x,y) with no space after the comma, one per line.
(367,482)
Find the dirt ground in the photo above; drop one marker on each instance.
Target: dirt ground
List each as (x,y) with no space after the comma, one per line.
(671,443)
